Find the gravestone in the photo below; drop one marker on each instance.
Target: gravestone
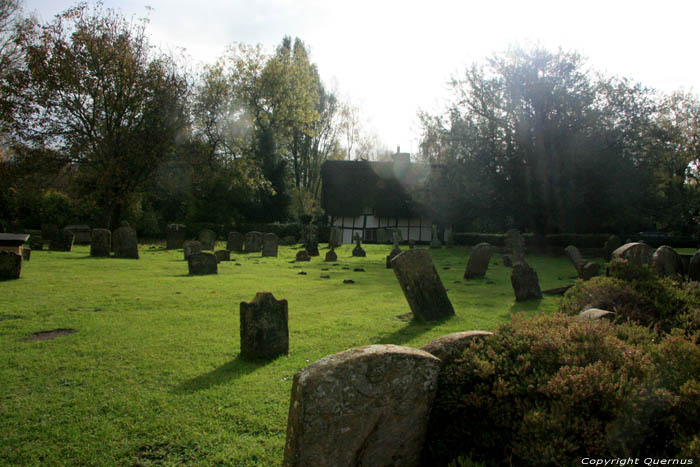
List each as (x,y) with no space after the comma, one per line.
(694,267)
(331,256)
(50,233)
(176,236)
(395,251)
(253,242)
(575,257)
(303,255)
(421,285)
(101,242)
(636,253)
(264,327)
(235,242)
(336,237)
(222,255)
(358,251)
(667,263)
(125,243)
(63,242)
(435,241)
(367,406)
(611,244)
(596,314)
(207,238)
(10,265)
(589,270)
(309,239)
(525,282)
(270,244)
(201,264)
(478,261)
(190,247)
(81,233)
(515,246)
(36,241)
(312,249)
(450,347)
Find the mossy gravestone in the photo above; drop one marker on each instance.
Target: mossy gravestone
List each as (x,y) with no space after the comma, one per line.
(694,267)
(303,255)
(667,263)
(253,242)
(208,239)
(10,265)
(125,243)
(635,252)
(201,264)
(264,328)
(358,250)
(63,241)
(191,247)
(270,244)
(525,282)
(421,285)
(478,261)
(235,242)
(176,236)
(365,406)
(100,242)
(222,255)
(331,256)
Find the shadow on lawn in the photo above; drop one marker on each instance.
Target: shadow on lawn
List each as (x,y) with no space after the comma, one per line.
(231,370)
(528,307)
(412,330)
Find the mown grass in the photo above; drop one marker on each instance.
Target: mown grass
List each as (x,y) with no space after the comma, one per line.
(152,374)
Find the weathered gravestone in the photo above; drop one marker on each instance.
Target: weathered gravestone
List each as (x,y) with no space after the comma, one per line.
(201,264)
(589,270)
(611,244)
(450,347)
(525,283)
(636,253)
(515,246)
(63,241)
(478,261)
(125,242)
(207,238)
(575,257)
(222,255)
(81,233)
(366,406)
(36,241)
(10,265)
(667,263)
(303,255)
(101,242)
(435,241)
(358,251)
(191,247)
(421,285)
(253,242)
(270,244)
(235,242)
(50,234)
(264,327)
(395,251)
(331,256)
(694,267)
(175,236)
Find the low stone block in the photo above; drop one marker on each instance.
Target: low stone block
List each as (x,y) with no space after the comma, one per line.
(303,255)
(222,255)
(10,265)
(201,264)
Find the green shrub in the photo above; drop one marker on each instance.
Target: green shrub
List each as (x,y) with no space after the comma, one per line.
(543,391)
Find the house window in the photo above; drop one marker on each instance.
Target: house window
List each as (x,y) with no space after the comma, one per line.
(370,236)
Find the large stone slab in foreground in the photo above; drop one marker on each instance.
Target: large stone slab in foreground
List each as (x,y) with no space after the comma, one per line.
(366,406)
(421,285)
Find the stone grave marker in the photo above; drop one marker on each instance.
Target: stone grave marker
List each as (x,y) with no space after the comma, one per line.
(366,406)
(667,263)
(175,236)
(422,286)
(50,233)
(396,250)
(611,244)
(435,241)
(264,327)
(270,244)
(331,256)
(36,241)
(201,264)
(358,250)
(222,255)
(636,253)
(190,247)
(694,267)
(575,257)
(589,270)
(125,242)
(303,255)
(208,239)
(525,283)
(253,242)
(10,265)
(62,242)
(596,313)
(235,242)
(478,261)
(100,242)
(81,233)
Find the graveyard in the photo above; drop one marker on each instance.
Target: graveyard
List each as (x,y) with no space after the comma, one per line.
(144,362)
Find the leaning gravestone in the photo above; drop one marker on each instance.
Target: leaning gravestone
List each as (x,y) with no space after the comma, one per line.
(126,244)
(358,250)
(63,242)
(235,242)
(264,327)
(611,244)
(191,247)
(100,242)
(270,244)
(208,239)
(395,251)
(10,265)
(200,264)
(450,347)
(303,255)
(575,257)
(366,406)
(478,261)
(667,263)
(222,255)
(694,267)
(421,285)
(175,236)
(525,283)
(636,253)
(331,256)
(515,246)
(435,241)
(253,242)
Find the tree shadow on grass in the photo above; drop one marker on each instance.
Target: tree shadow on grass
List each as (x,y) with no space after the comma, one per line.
(413,329)
(234,369)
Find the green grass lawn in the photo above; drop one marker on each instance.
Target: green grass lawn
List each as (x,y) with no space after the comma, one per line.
(152,374)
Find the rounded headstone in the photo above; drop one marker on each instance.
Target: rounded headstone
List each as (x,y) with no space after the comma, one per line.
(596,313)
(222,255)
(303,255)
(667,263)
(694,267)
(478,261)
(611,244)
(331,256)
(125,243)
(589,270)
(100,242)
(207,238)
(636,253)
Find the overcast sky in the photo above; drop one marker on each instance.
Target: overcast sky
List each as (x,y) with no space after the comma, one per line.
(395,57)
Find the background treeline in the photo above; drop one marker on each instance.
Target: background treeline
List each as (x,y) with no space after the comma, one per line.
(98,126)
(536,140)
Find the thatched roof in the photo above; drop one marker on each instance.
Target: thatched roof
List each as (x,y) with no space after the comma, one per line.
(393,189)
